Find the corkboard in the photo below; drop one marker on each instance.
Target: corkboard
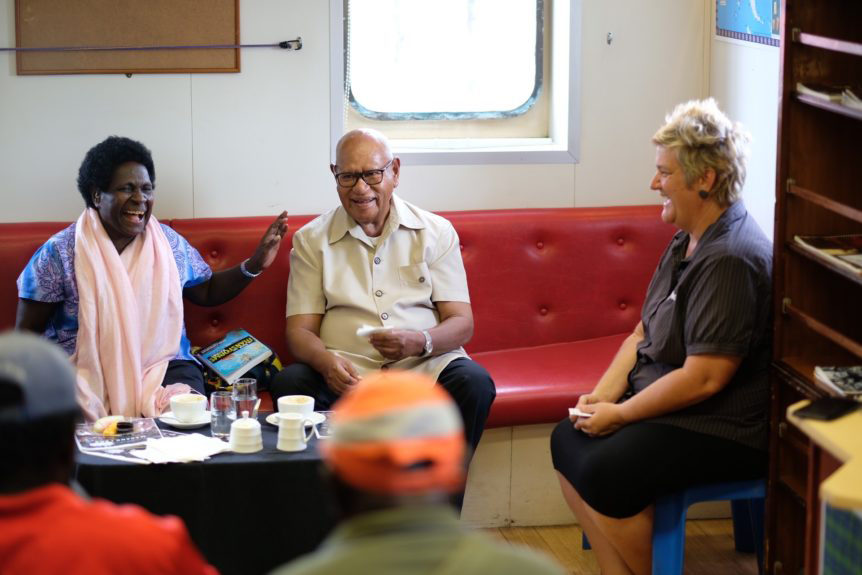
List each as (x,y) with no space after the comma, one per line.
(127,23)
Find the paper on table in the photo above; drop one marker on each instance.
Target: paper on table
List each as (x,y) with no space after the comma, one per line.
(574,411)
(115,457)
(181,449)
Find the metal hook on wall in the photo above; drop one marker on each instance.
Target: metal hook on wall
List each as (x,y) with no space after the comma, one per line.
(291,44)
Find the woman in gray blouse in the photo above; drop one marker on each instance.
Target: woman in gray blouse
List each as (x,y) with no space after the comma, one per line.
(684,401)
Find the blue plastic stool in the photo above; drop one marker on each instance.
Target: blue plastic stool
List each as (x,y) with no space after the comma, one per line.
(668,538)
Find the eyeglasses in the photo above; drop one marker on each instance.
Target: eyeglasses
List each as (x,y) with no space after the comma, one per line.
(370,177)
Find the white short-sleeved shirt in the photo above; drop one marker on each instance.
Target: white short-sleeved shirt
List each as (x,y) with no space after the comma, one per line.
(352,280)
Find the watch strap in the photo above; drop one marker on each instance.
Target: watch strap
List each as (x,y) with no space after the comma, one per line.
(429,345)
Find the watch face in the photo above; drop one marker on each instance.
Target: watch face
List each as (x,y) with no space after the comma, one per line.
(428,344)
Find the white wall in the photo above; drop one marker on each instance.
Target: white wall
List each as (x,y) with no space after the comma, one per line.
(744,79)
(256,142)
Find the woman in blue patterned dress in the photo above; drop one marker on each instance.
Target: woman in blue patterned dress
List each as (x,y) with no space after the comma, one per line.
(98,288)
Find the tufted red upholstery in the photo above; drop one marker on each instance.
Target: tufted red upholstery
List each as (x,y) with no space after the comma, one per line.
(224,242)
(17,244)
(554,292)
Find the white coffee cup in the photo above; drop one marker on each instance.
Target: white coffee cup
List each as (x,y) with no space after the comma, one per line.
(189,407)
(291,432)
(301,404)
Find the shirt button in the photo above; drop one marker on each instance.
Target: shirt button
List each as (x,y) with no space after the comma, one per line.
(623,305)
(620,241)
(378,293)
(540,245)
(421,279)
(377,260)
(214,322)
(543,311)
(384,315)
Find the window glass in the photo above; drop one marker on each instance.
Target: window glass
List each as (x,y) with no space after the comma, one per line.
(443,59)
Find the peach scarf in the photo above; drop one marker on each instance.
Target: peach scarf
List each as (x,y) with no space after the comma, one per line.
(129,319)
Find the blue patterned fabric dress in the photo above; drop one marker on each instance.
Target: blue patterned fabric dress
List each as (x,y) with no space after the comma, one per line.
(50,277)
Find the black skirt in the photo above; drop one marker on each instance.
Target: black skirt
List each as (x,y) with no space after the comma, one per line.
(620,474)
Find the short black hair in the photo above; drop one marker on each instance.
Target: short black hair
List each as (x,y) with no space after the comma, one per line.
(99,164)
(33,453)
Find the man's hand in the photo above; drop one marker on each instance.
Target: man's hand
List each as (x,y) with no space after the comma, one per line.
(267,249)
(397,344)
(339,373)
(606,419)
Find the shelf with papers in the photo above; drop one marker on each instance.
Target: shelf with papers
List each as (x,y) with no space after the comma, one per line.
(834,107)
(817,292)
(835,268)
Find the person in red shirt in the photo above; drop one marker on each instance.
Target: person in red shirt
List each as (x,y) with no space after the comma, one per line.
(46,526)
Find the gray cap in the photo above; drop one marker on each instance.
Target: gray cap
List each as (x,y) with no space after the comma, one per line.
(42,372)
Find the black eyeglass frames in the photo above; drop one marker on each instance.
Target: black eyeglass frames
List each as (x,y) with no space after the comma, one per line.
(370,177)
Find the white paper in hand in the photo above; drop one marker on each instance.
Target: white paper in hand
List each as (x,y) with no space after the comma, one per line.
(575,412)
(367,330)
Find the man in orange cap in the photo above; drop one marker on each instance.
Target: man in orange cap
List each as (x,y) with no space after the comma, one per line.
(396,453)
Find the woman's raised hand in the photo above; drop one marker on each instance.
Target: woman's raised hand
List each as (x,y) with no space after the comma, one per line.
(267,249)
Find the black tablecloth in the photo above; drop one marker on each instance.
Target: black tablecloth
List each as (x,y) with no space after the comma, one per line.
(248,513)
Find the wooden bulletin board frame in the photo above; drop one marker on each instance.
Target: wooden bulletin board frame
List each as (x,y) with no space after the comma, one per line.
(127,23)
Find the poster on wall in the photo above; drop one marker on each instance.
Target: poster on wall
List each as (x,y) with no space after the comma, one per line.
(749,20)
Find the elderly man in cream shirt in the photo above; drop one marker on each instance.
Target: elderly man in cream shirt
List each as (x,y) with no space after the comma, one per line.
(377,261)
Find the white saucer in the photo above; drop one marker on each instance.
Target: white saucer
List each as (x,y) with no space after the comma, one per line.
(168,417)
(315,417)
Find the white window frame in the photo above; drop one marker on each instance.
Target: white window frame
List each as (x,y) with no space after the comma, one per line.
(563,145)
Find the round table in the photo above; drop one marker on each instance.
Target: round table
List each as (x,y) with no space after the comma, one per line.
(247,513)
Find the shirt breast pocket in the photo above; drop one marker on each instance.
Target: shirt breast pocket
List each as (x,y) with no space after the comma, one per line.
(416,276)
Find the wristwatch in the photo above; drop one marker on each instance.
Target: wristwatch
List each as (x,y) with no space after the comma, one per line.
(429,345)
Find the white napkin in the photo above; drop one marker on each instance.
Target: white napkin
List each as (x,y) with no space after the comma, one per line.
(181,448)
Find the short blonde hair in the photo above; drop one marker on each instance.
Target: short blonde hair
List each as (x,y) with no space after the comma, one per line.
(703,137)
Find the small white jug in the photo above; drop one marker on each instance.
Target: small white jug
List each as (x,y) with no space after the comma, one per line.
(291,432)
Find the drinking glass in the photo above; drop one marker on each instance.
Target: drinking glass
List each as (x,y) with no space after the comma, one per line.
(244,397)
(221,413)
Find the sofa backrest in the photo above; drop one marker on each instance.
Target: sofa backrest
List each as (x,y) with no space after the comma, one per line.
(18,243)
(544,276)
(536,276)
(260,308)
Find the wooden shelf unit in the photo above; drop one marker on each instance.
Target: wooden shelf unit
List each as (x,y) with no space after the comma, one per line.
(818,305)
